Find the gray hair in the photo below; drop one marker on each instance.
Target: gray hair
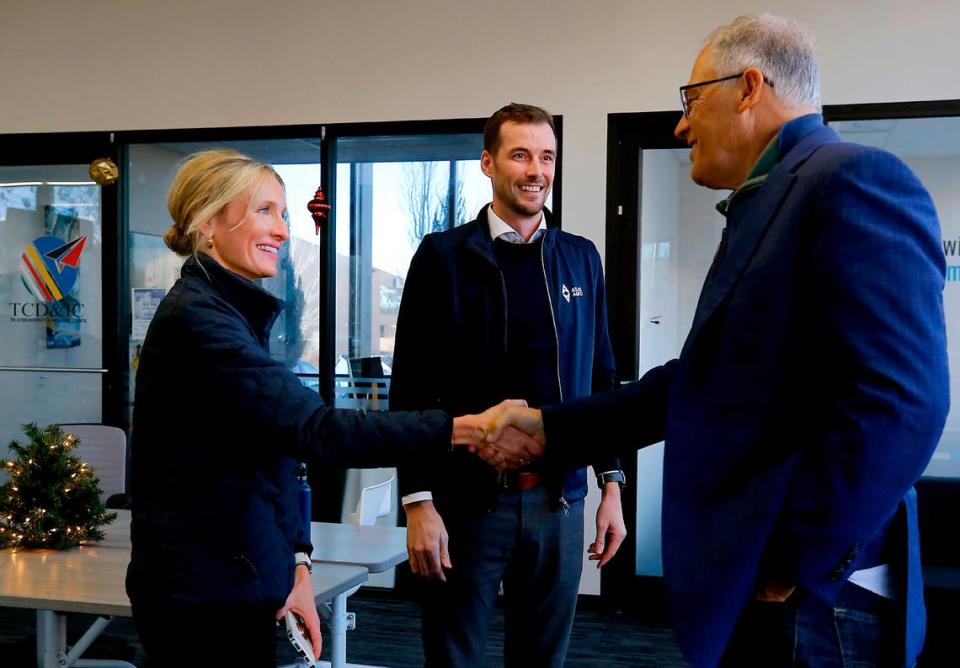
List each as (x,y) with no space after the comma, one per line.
(783,49)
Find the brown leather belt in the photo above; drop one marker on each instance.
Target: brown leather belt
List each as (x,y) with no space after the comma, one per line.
(520,481)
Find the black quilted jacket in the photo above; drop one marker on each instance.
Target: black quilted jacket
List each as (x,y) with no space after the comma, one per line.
(218,427)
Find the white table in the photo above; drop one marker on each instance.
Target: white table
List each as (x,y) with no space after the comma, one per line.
(375,548)
(371,547)
(90,579)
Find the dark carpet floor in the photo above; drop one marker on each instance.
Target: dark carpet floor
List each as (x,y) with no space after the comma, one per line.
(387,634)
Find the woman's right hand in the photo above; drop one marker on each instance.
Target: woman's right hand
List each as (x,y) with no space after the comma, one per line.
(471,430)
(512,447)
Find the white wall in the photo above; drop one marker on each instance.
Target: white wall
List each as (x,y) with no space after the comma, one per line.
(107,64)
(114,65)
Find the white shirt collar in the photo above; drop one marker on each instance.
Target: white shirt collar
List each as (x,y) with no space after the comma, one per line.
(499,229)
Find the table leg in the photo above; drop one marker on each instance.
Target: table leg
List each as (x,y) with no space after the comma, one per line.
(338,631)
(51,638)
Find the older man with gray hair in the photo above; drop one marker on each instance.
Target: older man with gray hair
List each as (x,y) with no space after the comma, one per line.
(811,390)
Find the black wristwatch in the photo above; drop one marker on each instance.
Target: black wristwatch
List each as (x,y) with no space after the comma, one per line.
(612,476)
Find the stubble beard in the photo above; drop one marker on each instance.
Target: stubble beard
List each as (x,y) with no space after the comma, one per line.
(517,206)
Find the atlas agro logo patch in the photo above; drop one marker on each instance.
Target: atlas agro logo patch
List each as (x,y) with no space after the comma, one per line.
(570,292)
(49,266)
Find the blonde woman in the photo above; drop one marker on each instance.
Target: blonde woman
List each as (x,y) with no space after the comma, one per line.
(218,425)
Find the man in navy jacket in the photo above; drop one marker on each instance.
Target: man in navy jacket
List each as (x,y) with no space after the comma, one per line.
(811,390)
(504,306)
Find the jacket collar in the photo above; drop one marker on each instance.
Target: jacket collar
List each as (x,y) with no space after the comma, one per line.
(256,305)
(799,139)
(788,137)
(480,242)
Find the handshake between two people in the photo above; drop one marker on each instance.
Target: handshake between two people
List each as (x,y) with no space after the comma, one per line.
(505,436)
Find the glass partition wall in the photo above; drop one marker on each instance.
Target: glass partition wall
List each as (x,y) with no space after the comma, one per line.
(153,268)
(391,192)
(51,360)
(82,271)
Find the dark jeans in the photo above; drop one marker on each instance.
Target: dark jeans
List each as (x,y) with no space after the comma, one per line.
(183,636)
(536,550)
(862,630)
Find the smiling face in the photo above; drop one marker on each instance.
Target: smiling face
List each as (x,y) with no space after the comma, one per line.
(521,171)
(715,128)
(249,231)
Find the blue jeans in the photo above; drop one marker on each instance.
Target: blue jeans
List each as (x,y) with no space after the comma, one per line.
(862,630)
(533,547)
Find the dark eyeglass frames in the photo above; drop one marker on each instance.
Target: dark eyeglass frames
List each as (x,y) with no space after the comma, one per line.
(685,101)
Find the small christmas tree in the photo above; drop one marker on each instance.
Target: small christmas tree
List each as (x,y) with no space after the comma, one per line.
(52,499)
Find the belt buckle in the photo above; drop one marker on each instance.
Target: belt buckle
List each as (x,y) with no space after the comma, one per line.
(503,479)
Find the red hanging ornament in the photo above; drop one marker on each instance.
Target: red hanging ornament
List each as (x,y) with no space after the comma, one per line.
(318,208)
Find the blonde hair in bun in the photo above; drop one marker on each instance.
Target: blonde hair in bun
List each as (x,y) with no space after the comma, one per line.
(205,183)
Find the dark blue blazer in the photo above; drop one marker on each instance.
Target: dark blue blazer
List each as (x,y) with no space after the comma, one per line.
(808,398)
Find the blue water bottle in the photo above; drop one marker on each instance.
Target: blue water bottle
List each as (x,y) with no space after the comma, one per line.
(303,498)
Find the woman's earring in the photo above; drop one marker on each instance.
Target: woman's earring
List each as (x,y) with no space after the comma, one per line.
(210,242)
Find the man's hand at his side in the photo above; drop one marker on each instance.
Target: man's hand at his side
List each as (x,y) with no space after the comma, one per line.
(773,592)
(611,529)
(427,541)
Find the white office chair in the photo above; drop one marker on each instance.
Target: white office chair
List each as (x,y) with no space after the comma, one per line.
(375,501)
(105,450)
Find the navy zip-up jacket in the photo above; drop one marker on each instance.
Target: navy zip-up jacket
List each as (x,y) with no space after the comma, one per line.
(450,349)
(217,428)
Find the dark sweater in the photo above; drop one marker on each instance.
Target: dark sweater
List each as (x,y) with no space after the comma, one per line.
(531,360)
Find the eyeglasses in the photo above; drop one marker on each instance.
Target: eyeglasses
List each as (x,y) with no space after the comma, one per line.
(685,101)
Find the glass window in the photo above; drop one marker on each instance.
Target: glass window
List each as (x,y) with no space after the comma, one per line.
(679,233)
(391,192)
(154,268)
(50,285)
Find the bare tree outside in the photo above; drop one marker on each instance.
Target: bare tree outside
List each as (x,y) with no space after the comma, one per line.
(426,195)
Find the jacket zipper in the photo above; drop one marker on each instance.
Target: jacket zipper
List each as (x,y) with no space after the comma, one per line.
(556,337)
(553,319)
(503,294)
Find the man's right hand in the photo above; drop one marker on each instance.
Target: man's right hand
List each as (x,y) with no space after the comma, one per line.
(427,541)
(514,436)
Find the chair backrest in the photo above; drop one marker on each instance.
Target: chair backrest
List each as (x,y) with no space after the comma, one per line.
(370,394)
(105,450)
(366,367)
(375,501)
